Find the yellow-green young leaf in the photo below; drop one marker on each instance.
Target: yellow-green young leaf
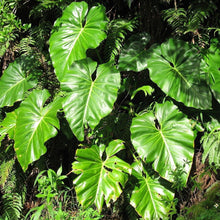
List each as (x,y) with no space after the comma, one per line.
(14,83)
(176,68)
(102,175)
(35,125)
(166,139)
(151,199)
(89,99)
(76,31)
(8,125)
(146,89)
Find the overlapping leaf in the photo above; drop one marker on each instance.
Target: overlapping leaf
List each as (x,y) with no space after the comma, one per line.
(213,61)
(176,68)
(211,144)
(14,83)
(134,56)
(8,125)
(166,139)
(100,179)
(35,125)
(150,198)
(89,100)
(76,31)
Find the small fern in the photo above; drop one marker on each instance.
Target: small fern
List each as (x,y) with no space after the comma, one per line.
(117,30)
(191,20)
(5,169)
(26,45)
(41,33)
(176,18)
(11,206)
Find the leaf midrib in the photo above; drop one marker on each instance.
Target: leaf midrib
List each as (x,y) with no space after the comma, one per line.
(11,87)
(87,102)
(151,196)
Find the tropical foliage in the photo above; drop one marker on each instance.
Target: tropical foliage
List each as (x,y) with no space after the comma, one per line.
(94,85)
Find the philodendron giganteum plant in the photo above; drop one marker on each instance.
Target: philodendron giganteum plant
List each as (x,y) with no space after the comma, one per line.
(162,136)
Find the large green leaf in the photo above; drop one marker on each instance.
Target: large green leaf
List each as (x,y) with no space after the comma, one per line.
(213,60)
(14,83)
(8,125)
(35,125)
(89,100)
(76,31)
(176,68)
(134,55)
(166,139)
(101,174)
(211,144)
(150,198)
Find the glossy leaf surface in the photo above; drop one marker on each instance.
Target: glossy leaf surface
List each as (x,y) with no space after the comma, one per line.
(164,138)
(8,125)
(89,100)
(134,56)
(213,61)
(150,198)
(76,31)
(35,125)
(177,69)
(14,84)
(101,177)
(211,144)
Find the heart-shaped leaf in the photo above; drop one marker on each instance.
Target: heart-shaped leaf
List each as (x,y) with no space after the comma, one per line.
(76,31)
(14,83)
(101,174)
(176,68)
(134,56)
(35,125)
(89,100)
(166,139)
(150,197)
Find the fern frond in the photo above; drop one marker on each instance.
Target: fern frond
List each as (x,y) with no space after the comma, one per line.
(117,31)
(11,206)
(6,163)
(5,169)
(26,45)
(41,33)
(42,6)
(192,21)
(176,19)
(198,12)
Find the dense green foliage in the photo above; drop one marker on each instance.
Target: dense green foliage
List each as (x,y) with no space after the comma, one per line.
(133,107)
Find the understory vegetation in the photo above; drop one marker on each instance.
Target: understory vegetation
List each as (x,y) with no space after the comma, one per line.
(109,109)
